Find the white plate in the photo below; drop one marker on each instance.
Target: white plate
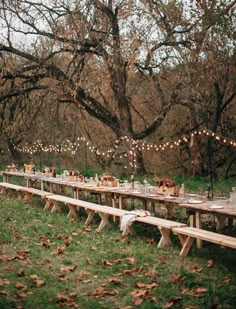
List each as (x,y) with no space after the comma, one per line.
(153,194)
(192,194)
(216,207)
(194,201)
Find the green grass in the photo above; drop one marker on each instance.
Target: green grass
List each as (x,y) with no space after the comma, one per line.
(102,270)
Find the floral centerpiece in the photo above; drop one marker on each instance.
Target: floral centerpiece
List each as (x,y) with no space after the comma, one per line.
(49,171)
(166,185)
(11,168)
(108,180)
(29,168)
(73,175)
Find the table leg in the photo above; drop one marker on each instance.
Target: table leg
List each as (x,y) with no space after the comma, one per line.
(199,226)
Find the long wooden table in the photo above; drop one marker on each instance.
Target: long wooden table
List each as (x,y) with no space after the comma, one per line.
(149,200)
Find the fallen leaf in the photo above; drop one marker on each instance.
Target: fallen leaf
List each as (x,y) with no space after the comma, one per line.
(130,260)
(4,292)
(163,260)
(34,276)
(171,302)
(20,285)
(68,241)
(176,278)
(68,269)
(9,267)
(21,272)
(226,280)
(195,268)
(89,261)
(39,282)
(114,280)
(106,262)
(116,260)
(210,263)
(21,295)
(4,282)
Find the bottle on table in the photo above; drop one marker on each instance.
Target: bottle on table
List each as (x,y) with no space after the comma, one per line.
(182,191)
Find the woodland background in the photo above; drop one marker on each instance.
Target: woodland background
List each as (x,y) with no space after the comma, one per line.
(153,71)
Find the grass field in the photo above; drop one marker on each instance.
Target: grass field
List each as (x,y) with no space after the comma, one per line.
(50,261)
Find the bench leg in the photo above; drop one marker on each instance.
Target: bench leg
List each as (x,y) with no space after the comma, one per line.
(186,246)
(72,212)
(47,205)
(165,238)
(55,207)
(27,197)
(104,221)
(220,222)
(128,230)
(170,212)
(90,214)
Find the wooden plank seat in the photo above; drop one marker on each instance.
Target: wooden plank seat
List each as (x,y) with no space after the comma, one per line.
(11,189)
(103,211)
(188,234)
(24,193)
(165,227)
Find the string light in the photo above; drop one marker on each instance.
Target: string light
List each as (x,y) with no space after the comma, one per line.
(72,147)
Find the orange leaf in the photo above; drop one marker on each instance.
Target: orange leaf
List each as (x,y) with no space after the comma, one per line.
(116,260)
(4,292)
(9,267)
(226,280)
(176,278)
(163,260)
(4,282)
(68,269)
(21,295)
(39,282)
(173,301)
(68,241)
(20,285)
(210,263)
(130,260)
(194,268)
(114,280)
(127,272)
(89,261)
(21,272)
(106,262)
(34,276)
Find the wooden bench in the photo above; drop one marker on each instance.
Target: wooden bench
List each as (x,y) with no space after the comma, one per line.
(11,189)
(188,234)
(165,227)
(103,211)
(24,193)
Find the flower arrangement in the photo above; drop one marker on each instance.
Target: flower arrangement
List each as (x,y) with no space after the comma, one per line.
(29,168)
